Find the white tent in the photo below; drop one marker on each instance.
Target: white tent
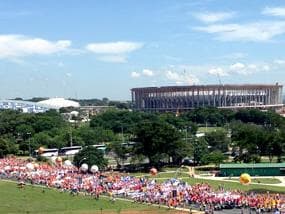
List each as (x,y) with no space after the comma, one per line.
(57,103)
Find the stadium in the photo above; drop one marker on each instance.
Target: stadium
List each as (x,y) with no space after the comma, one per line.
(182,98)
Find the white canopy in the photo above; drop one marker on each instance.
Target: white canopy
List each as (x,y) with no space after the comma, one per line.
(57,103)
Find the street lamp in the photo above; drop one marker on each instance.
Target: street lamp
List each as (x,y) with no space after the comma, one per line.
(186,131)
(29,134)
(81,161)
(187,128)
(122,130)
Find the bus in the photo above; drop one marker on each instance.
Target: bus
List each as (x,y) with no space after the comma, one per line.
(47,153)
(72,150)
(101,147)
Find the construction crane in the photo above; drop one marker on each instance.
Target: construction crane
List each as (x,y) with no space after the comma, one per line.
(219,78)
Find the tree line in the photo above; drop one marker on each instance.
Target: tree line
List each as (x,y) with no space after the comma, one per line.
(159,137)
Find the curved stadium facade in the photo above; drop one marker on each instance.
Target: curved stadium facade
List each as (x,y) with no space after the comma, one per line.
(181,98)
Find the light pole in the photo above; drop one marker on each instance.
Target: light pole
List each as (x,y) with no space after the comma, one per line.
(122,129)
(122,144)
(186,131)
(29,134)
(187,128)
(81,161)
(71,139)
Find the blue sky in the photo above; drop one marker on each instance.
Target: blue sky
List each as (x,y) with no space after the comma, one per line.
(96,49)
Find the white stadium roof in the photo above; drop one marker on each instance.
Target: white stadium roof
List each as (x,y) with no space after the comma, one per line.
(57,103)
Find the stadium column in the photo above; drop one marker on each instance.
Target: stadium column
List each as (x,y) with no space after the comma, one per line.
(269,96)
(258,96)
(265,96)
(192,98)
(208,96)
(255,97)
(280,94)
(219,97)
(133,98)
(214,97)
(203,96)
(198,98)
(224,97)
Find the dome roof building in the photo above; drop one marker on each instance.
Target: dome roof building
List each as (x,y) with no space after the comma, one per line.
(57,103)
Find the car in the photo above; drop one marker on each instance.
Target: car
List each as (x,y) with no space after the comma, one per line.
(188,162)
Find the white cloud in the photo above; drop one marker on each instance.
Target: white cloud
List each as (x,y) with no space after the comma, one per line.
(265,68)
(60,64)
(135,74)
(147,72)
(113,58)
(252,66)
(144,72)
(182,78)
(13,46)
(114,47)
(213,17)
(257,31)
(240,68)
(68,74)
(237,66)
(243,69)
(279,61)
(218,71)
(274,11)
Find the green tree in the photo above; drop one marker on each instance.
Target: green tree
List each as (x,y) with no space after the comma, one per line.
(48,120)
(217,140)
(215,157)
(251,140)
(66,137)
(200,148)
(87,134)
(24,131)
(91,156)
(268,119)
(7,146)
(42,139)
(156,139)
(120,150)
(118,120)
(276,145)
(96,135)
(104,135)
(180,150)
(8,121)
(179,122)
(211,116)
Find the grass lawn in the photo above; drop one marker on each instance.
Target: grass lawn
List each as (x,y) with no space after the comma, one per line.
(235,185)
(181,169)
(210,129)
(262,180)
(171,175)
(165,172)
(33,200)
(227,184)
(161,175)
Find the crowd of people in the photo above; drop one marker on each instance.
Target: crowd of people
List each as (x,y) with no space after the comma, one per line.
(172,193)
